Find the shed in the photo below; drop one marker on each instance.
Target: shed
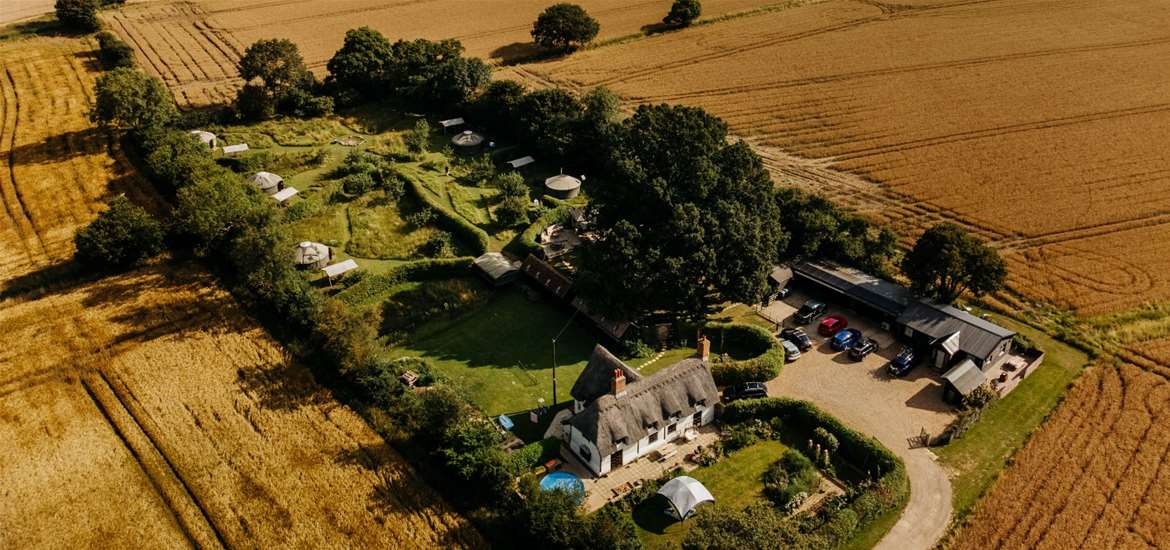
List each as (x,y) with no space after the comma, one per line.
(496,268)
(547,276)
(878,297)
(206,138)
(562,186)
(928,323)
(467,140)
(267,182)
(284,194)
(685,494)
(336,270)
(522,161)
(780,276)
(451,122)
(961,380)
(311,255)
(233,149)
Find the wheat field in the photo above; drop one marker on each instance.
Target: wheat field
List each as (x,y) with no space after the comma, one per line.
(57,169)
(145,410)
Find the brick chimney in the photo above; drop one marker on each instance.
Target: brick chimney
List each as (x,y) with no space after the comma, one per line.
(704,347)
(619,382)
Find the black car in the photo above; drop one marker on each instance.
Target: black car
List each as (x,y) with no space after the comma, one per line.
(903,362)
(797,337)
(747,390)
(809,311)
(862,348)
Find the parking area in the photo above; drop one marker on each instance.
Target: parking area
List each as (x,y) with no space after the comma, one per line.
(861,393)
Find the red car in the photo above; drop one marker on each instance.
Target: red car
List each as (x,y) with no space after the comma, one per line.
(832,324)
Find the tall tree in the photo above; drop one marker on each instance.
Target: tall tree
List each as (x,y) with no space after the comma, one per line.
(683,12)
(123,236)
(129,100)
(564,27)
(686,219)
(947,261)
(276,78)
(547,119)
(361,66)
(78,15)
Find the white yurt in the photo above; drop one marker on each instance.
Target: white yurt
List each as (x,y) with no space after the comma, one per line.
(562,186)
(206,138)
(267,182)
(311,255)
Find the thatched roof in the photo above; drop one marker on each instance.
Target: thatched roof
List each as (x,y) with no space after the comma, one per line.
(597,377)
(648,404)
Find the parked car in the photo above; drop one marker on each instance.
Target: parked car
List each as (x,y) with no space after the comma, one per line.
(808,311)
(798,337)
(832,325)
(791,352)
(845,338)
(862,348)
(903,362)
(783,293)
(747,390)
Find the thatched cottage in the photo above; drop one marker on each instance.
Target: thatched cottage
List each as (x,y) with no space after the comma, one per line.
(620,415)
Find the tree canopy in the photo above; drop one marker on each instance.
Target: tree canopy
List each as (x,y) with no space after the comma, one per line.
(78,15)
(946,261)
(819,229)
(129,100)
(123,236)
(277,80)
(360,67)
(683,12)
(686,219)
(564,27)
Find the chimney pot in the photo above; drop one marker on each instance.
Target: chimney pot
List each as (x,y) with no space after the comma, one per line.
(704,348)
(619,382)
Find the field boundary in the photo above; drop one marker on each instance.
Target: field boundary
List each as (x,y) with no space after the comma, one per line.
(184,506)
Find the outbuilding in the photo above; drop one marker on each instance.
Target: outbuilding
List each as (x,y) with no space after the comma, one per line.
(267,182)
(562,186)
(547,276)
(208,139)
(497,269)
(311,255)
(961,380)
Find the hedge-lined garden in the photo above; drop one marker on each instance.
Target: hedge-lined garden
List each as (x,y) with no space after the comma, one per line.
(762,355)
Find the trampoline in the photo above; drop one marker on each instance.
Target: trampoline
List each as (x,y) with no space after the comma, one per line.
(565,481)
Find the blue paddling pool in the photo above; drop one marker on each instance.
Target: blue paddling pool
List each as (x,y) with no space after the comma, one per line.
(565,481)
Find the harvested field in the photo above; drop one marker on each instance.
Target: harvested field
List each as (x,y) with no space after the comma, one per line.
(194,45)
(1095,476)
(1040,125)
(146,410)
(57,169)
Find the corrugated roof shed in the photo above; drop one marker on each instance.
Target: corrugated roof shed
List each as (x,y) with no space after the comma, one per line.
(495,265)
(965,377)
(890,298)
(977,336)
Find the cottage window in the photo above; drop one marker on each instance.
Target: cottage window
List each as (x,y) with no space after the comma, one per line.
(698,418)
(654,436)
(584,452)
(670,428)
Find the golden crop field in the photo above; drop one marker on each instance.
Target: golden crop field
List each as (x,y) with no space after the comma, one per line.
(1039,124)
(57,169)
(145,410)
(1095,476)
(194,45)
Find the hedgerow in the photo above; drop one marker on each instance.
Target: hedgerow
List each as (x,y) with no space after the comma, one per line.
(762,367)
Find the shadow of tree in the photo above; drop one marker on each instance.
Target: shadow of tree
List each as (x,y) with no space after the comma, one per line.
(287,386)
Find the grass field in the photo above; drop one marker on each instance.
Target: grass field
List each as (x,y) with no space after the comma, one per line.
(57,168)
(501,353)
(193,46)
(145,409)
(735,482)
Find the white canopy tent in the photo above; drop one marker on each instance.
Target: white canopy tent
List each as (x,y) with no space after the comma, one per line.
(685,494)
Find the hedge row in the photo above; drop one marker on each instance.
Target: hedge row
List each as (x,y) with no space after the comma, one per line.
(892,487)
(528,237)
(372,286)
(534,454)
(452,221)
(763,367)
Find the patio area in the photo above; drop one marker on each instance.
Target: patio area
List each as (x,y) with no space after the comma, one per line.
(612,486)
(1005,377)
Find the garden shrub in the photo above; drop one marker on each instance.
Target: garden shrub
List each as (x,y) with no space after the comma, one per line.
(417,138)
(419,218)
(480,171)
(536,453)
(113,52)
(357,184)
(788,477)
(760,368)
(438,245)
(979,398)
(512,211)
(825,439)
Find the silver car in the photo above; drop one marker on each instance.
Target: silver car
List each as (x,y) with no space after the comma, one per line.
(791,352)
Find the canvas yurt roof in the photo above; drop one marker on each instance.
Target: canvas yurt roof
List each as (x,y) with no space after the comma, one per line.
(265,180)
(467,138)
(562,182)
(685,494)
(309,252)
(207,138)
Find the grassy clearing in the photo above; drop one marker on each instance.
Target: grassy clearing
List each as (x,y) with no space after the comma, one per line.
(735,482)
(985,449)
(501,353)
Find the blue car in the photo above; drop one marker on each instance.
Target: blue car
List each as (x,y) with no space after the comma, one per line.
(845,338)
(903,362)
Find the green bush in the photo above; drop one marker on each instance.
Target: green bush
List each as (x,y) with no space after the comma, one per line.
(438,245)
(417,138)
(761,368)
(683,13)
(123,236)
(825,439)
(535,454)
(113,52)
(357,184)
(78,15)
(788,477)
(513,211)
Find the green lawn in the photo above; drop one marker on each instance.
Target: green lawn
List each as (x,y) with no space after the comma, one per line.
(984,450)
(736,481)
(502,352)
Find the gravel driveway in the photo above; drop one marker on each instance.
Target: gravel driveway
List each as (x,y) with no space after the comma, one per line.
(894,410)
